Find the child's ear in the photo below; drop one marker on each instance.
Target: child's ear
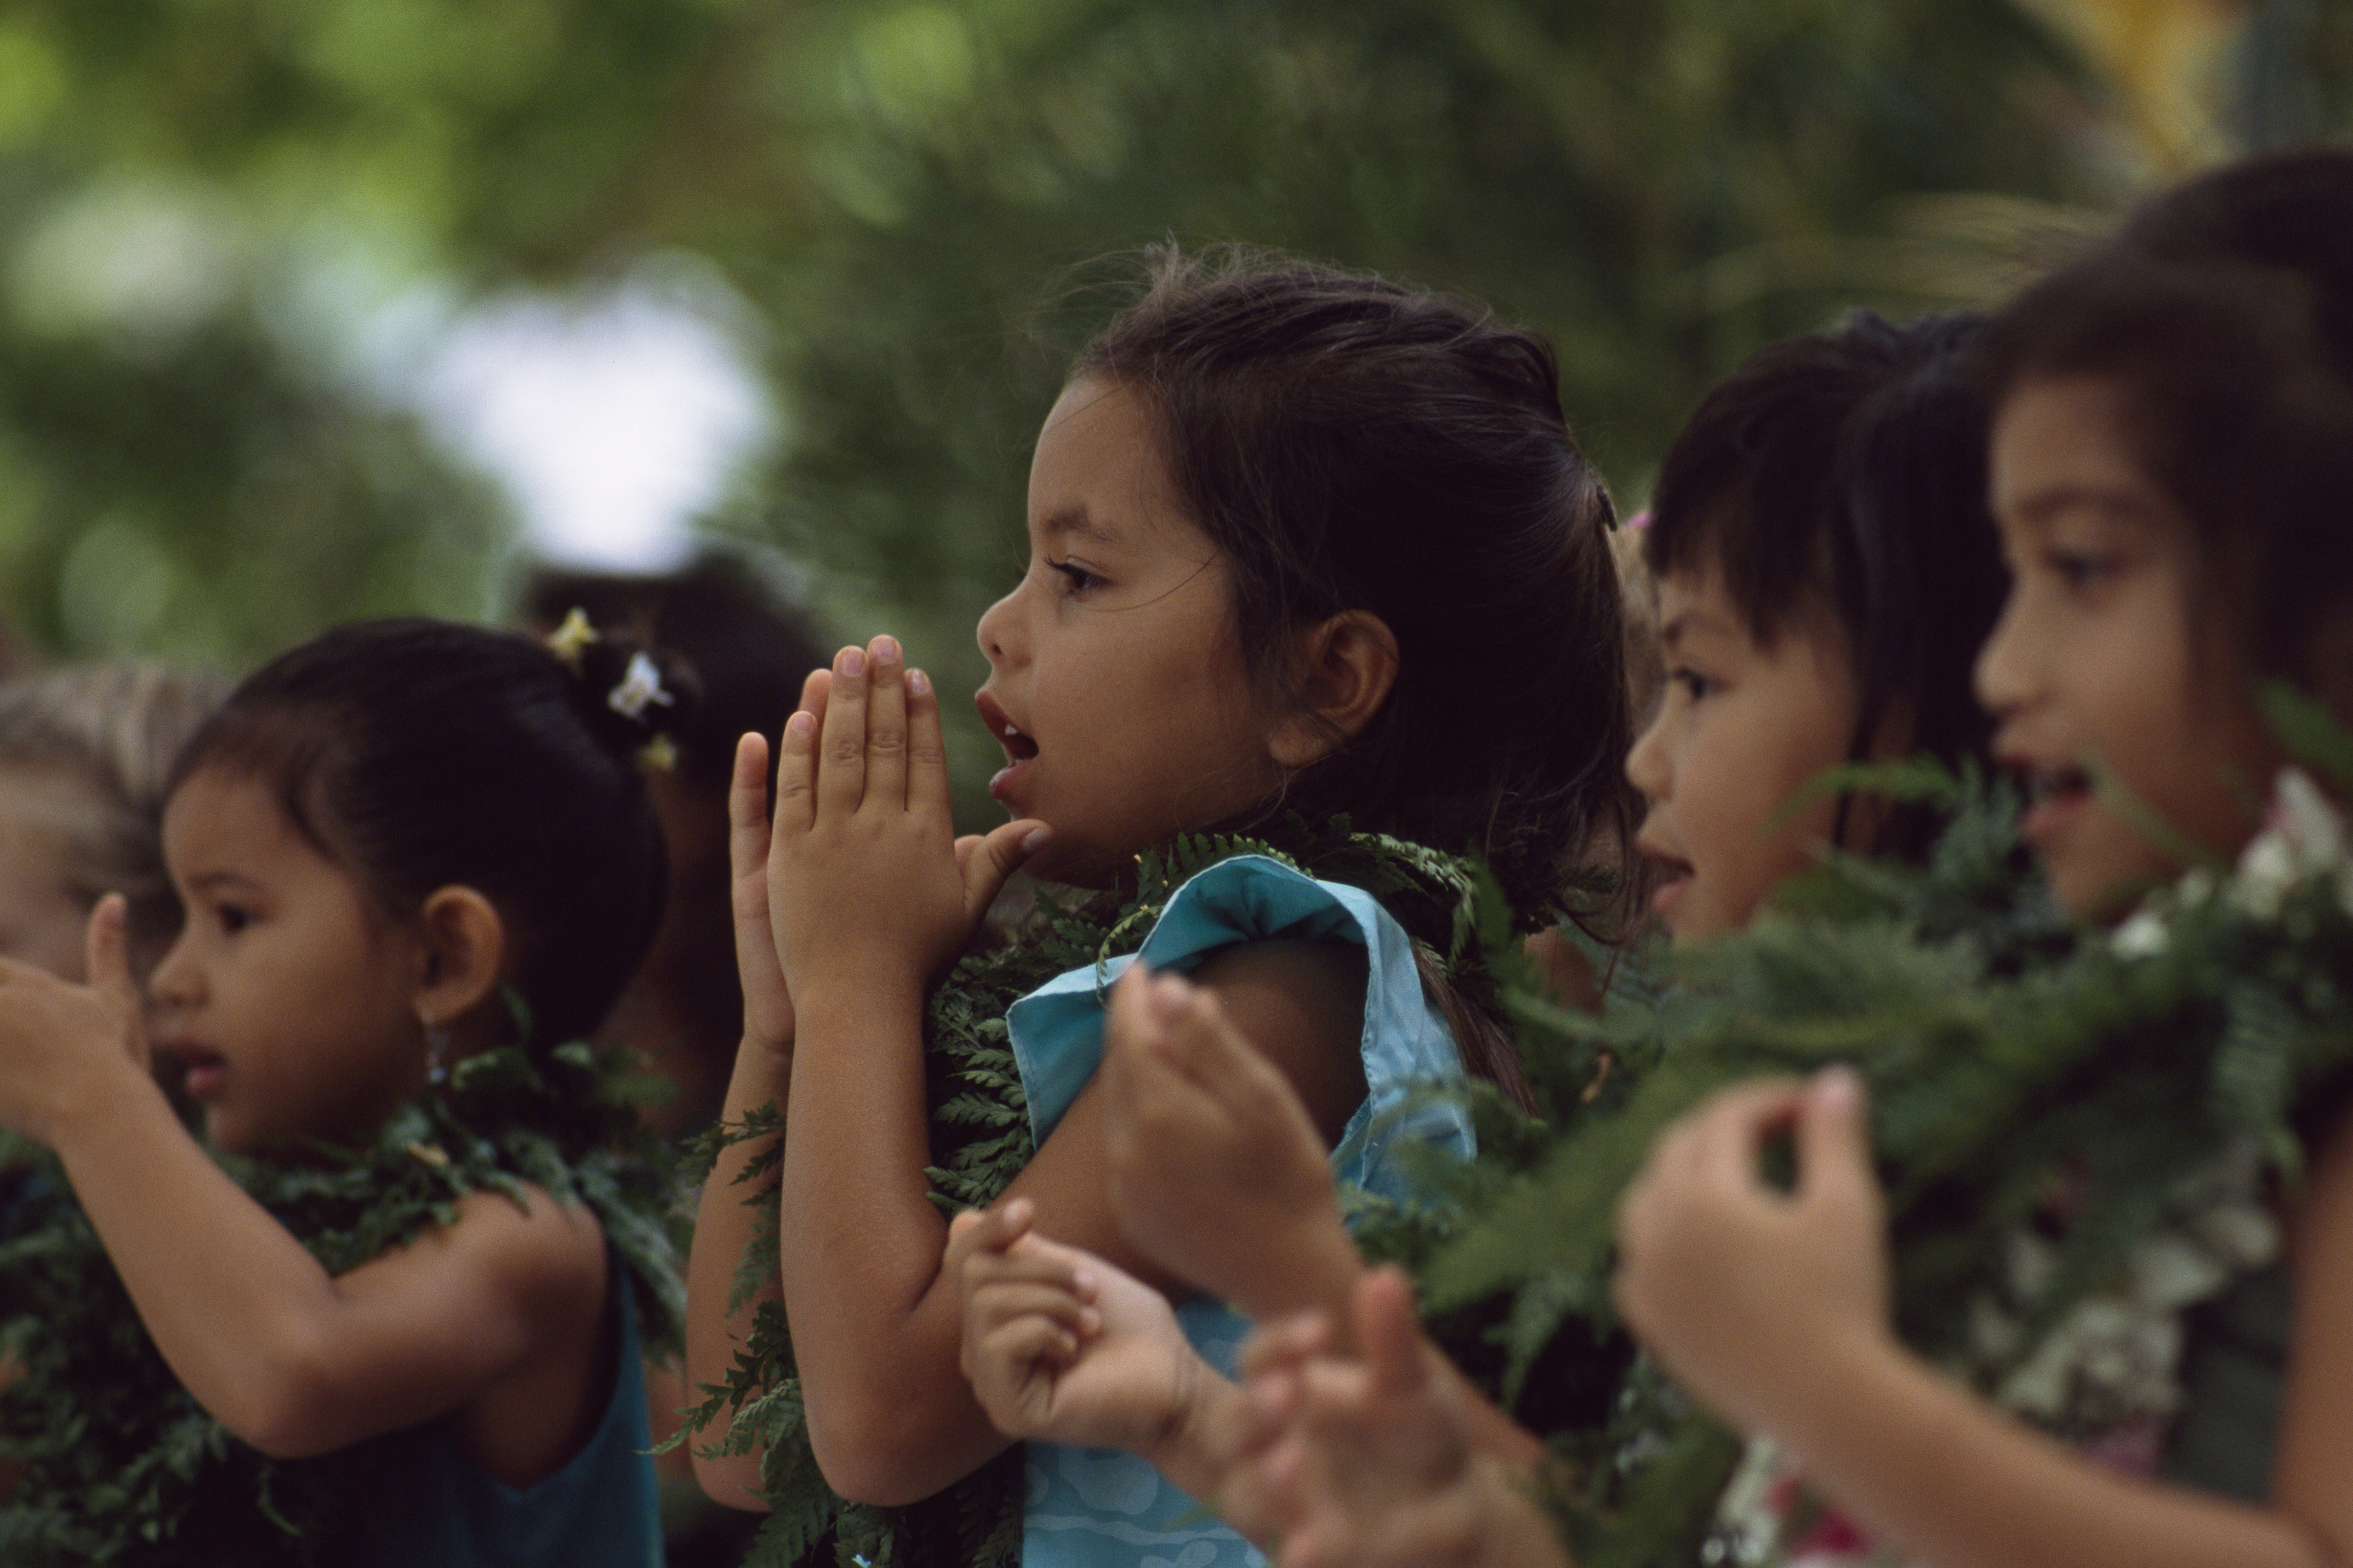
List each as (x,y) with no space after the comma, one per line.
(1347,668)
(464,951)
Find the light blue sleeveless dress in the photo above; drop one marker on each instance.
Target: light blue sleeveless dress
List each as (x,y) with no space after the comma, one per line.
(1102,1508)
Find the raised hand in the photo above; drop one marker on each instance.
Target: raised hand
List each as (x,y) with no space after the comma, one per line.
(1060,1346)
(1216,1172)
(868,884)
(1373,1460)
(1735,1286)
(768,1005)
(68,1050)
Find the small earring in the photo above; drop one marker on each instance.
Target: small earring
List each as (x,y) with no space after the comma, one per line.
(436,1053)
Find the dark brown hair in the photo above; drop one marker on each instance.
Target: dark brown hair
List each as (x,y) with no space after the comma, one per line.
(425,755)
(2224,309)
(1842,476)
(1352,444)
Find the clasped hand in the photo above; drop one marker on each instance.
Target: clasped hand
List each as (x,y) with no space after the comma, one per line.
(868,884)
(67,1050)
(1742,1292)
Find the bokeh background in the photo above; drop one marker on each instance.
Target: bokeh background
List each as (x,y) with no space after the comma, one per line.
(316,309)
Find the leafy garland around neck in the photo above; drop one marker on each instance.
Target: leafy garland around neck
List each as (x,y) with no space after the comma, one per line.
(2074,1128)
(124,1467)
(980,1141)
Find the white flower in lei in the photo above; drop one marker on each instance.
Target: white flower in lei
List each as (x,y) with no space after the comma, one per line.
(2107,1375)
(2304,839)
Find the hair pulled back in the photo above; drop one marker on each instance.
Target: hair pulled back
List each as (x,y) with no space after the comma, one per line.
(1354,445)
(114,730)
(2223,307)
(1842,476)
(423,755)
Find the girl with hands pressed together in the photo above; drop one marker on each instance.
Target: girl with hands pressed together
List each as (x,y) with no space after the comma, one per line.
(1302,544)
(2169,475)
(402,848)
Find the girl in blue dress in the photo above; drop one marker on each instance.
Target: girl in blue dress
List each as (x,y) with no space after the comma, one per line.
(1300,541)
(400,847)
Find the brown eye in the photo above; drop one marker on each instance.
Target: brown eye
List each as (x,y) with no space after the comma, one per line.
(1079,577)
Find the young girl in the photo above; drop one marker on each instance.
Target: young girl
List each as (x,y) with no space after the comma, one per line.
(1300,541)
(2172,453)
(402,847)
(1825,574)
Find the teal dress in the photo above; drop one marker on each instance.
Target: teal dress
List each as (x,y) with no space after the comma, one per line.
(430,1506)
(1102,1508)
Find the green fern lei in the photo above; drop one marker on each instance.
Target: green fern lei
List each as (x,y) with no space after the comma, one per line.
(124,1467)
(980,1141)
(2005,1058)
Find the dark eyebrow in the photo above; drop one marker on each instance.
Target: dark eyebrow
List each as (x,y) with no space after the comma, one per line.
(1695,620)
(2121,504)
(205,880)
(1075,523)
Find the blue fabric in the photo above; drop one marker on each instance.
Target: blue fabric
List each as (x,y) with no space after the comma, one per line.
(1100,1508)
(430,1506)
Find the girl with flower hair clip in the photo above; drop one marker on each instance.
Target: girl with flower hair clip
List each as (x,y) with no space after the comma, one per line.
(384,1306)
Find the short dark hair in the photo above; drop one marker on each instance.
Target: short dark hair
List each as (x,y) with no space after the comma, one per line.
(425,753)
(2223,307)
(1353,444)
(1842,476)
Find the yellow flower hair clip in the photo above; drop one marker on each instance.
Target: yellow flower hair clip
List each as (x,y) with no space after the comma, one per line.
(568,641)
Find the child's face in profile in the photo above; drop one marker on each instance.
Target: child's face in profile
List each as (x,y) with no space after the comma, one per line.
(1116,683)
(1740,727)
(289,991)
(2101,661)
(42,918)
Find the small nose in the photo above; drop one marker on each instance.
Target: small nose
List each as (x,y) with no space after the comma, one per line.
(998,623)
(2003,684)
(174,982)
(1646,762)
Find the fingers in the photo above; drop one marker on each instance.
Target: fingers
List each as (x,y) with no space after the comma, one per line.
(1388,1334)
(841,749)
(107,949)
(927,752)
(886,723)
(748,831)
(796,773)
(986,861)
(1834,1141)
(1286,1343)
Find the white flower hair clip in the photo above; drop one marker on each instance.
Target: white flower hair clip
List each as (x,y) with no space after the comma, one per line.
(640,688)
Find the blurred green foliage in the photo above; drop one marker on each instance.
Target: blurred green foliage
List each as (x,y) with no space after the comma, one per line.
(209,209)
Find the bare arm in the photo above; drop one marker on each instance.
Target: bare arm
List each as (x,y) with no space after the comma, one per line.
(724,1221)
(294,1361)
(1771,1309)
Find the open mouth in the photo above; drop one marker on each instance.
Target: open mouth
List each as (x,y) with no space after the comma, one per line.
(2055,795)
(1020,748)
(2052,783)
(208,1070)
(1668,876)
